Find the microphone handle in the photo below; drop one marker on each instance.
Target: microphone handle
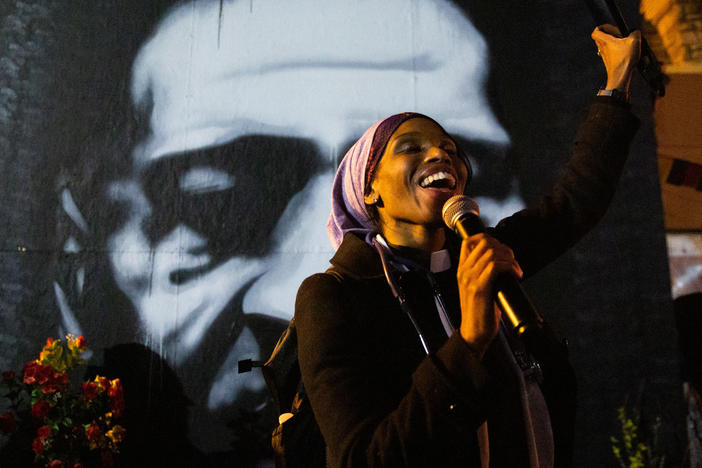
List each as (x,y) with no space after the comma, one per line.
(515,304)
(469,225)
(510,297)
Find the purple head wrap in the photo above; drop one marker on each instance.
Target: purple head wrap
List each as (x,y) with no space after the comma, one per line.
(348,209)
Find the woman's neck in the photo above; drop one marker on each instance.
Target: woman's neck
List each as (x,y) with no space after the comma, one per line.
(419,237)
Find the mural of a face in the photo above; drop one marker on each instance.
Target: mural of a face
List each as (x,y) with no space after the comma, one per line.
(250,106)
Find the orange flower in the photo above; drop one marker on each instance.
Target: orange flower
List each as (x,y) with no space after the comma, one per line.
(115,388)
(116,434)
(51,349)
(76,343)
(102,382)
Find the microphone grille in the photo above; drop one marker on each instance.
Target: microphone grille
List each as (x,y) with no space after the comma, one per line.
(456,207)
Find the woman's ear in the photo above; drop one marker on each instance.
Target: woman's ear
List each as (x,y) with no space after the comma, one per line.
(371,198)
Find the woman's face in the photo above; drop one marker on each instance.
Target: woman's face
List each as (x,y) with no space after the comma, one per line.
(419,170)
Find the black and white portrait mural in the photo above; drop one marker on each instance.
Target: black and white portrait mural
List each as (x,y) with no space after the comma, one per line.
(167,180)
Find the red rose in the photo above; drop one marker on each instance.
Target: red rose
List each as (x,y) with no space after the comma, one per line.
(35,373)
(7,422)
(37,445)
(29,372)
(40,410)
(43,432)
(93,433)
(8,376)
(89,390)
(81,342)
(54,382)
(56,464)
(116,394)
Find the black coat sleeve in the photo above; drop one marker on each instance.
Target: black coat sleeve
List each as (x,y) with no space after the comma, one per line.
(581,195)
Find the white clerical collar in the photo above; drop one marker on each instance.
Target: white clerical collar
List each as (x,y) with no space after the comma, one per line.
(440,261)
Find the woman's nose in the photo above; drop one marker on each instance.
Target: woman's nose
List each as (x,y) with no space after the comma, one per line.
(436,154)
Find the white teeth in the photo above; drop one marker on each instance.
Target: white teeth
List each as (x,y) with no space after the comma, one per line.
(438,176)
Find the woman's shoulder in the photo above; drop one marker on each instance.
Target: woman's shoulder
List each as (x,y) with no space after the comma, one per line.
(319,290)
(319,283)
(325,307)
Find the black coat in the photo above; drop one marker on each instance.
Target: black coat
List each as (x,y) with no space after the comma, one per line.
(380,401)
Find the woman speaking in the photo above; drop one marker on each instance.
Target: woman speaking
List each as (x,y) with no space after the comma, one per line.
(404,356)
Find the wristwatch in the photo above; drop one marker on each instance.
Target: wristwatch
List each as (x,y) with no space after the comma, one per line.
(620,96)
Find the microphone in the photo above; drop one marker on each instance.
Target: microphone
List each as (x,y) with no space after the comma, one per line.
(462,215)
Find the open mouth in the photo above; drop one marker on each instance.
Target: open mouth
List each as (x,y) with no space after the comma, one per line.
(439,180)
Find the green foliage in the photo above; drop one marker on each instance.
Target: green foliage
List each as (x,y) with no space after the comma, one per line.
(629,449)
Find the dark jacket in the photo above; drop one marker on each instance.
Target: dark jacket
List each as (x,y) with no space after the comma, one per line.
(380,401)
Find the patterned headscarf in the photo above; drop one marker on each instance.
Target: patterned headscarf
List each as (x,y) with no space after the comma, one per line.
(348,209)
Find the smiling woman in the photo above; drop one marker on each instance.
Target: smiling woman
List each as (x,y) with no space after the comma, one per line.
(472,394)
(420,169)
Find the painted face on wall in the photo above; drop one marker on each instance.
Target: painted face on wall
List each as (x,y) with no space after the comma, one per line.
(250,105)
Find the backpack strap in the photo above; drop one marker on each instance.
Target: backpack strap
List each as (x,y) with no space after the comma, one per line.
(281,371)
(297,441)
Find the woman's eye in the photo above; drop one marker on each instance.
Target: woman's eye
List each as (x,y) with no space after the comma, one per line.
(410,149)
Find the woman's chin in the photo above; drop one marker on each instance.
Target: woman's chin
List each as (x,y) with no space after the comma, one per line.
(435,197)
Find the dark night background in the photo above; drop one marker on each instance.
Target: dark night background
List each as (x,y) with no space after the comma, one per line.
(64,71)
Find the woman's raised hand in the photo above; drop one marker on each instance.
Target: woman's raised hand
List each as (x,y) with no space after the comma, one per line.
(483,258)
(619,54)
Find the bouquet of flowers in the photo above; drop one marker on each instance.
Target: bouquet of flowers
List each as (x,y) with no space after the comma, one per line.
(70,421)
